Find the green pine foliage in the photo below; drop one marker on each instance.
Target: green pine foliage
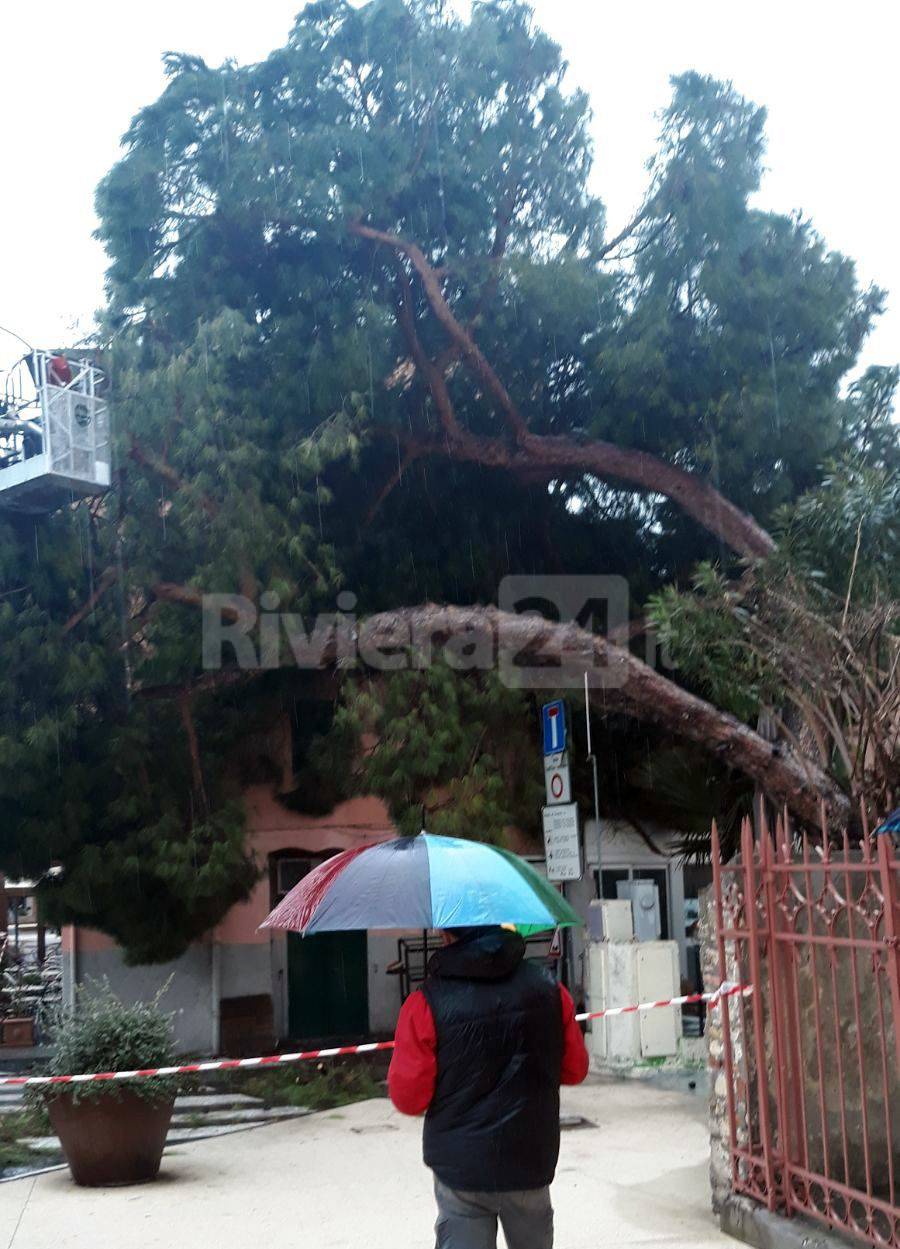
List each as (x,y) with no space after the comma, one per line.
(264,404)
(458,757)
(837,562)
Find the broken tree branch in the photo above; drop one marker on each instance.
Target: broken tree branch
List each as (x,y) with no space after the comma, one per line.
(638,219)
(432,374)
(548,456)
(147,459)
(187,596)
(107,579)
(629,686)
(468,348)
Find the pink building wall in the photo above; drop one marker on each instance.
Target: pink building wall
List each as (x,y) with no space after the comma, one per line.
(236,967)
(271,827)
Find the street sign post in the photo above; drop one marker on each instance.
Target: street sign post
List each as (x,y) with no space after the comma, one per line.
(553,721)
(562,842)
(557,779)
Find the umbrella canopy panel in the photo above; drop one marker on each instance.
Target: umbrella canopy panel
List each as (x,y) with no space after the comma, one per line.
(422,882)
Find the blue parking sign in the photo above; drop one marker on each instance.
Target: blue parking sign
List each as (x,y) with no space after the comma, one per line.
(553,718)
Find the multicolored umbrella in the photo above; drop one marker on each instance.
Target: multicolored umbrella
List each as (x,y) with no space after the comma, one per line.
(422,882)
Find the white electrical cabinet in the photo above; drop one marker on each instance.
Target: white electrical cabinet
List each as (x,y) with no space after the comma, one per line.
(625,974)
(644,898)
(610,920)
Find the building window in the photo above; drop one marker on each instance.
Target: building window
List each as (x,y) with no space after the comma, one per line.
(286,872)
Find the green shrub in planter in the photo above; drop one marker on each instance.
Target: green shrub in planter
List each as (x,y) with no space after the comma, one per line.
(102,1033)
(112,1131)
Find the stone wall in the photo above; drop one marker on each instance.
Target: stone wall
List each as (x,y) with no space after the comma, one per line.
(719,1132)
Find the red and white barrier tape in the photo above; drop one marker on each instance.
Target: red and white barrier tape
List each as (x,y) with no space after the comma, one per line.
(275,1060)
(725,990)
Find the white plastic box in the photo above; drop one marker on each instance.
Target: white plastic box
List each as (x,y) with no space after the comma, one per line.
(624,973)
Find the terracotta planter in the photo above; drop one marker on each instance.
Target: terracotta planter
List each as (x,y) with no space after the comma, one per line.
(113,1140)
(18,1031)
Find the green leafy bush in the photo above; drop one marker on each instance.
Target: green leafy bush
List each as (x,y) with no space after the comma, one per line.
(103,1033)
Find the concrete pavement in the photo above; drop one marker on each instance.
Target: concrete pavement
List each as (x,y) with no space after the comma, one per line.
(353,1179)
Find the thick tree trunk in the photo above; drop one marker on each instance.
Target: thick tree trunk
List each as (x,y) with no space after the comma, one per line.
(629,686)
(556,455)
(524,450)
(484,636)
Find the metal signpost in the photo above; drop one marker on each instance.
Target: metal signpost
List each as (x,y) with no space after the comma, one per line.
(562,839)
(562,836)
(592,760)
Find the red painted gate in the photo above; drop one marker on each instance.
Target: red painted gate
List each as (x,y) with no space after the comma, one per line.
(812,1056)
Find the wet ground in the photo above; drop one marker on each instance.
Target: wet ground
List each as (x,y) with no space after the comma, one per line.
(634,1172)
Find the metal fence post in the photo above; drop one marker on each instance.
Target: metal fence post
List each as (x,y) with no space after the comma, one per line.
(780,1010)
(748,854)
(724,1004)
(890,886)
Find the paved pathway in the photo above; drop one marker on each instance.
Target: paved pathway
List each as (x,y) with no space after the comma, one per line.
(353,1179)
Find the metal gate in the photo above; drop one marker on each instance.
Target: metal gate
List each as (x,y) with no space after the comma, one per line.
(812,1056)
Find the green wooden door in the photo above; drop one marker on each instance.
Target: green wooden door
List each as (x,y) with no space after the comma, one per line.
(328,985)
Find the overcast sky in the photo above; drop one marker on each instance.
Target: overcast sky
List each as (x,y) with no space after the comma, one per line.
(73,76)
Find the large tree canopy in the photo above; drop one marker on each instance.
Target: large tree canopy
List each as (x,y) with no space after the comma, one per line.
(368,332)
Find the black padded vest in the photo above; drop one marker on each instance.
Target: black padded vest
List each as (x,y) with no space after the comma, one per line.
(493,1123)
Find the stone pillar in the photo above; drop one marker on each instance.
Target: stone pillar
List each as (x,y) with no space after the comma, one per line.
(719,1132)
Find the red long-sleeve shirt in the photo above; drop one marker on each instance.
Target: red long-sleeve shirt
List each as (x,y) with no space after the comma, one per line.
(413,1071)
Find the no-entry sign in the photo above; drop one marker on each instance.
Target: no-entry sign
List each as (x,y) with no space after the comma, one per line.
(557,780)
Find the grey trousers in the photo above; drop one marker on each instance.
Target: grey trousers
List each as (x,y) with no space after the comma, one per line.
(469,1220)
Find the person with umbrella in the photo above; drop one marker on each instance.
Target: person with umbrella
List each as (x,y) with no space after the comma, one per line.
(483,1047)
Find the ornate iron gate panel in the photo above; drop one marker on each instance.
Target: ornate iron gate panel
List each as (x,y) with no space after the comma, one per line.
(812,1057)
